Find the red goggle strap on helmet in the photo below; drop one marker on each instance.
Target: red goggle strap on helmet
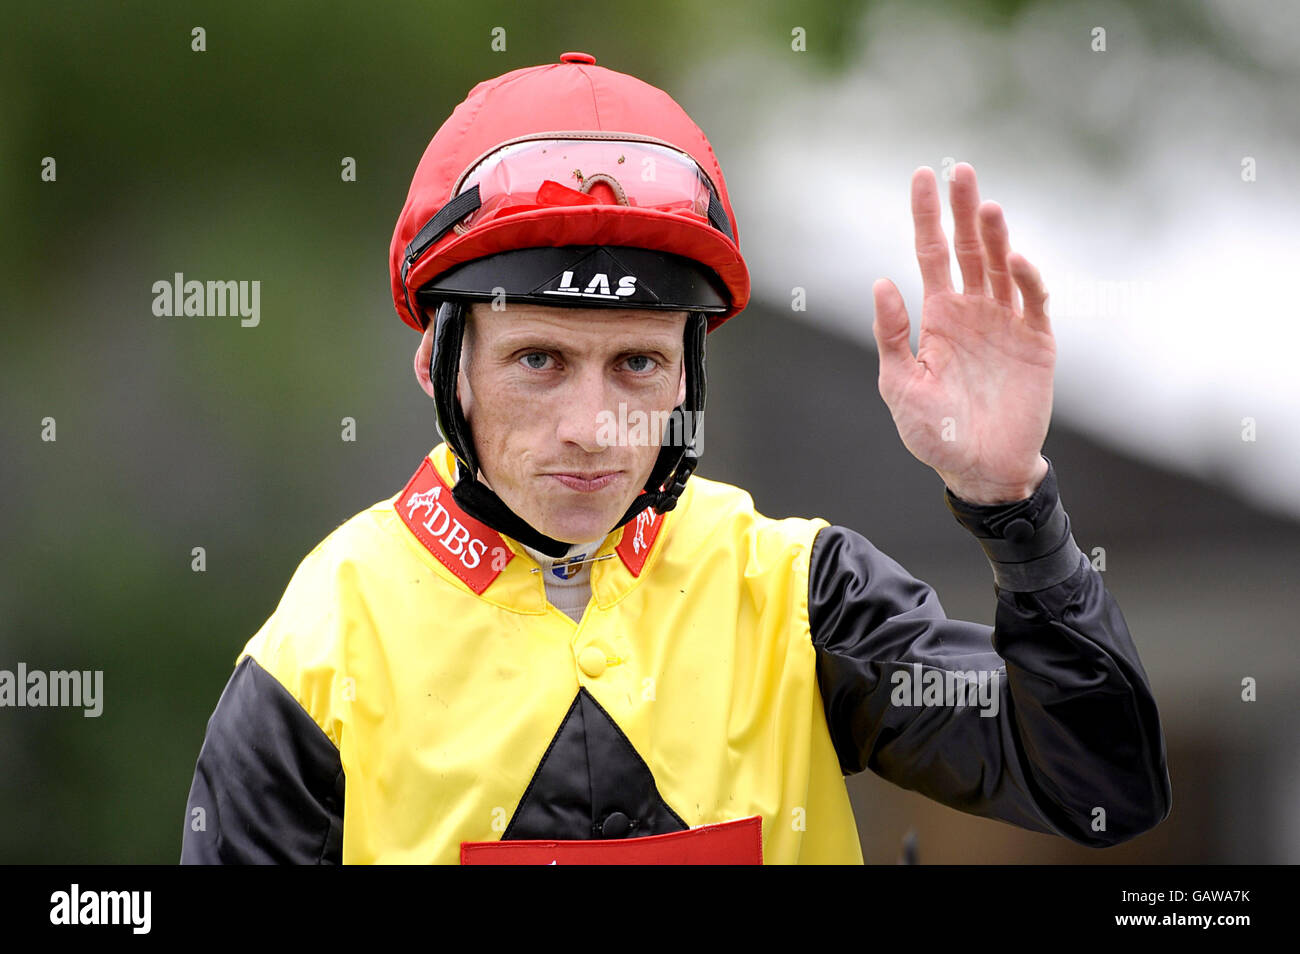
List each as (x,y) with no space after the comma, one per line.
(434,229)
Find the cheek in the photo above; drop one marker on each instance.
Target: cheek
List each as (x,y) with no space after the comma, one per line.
(507,422)
(646,457)
(656,404)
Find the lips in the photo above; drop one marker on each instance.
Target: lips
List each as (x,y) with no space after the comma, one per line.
(587,482)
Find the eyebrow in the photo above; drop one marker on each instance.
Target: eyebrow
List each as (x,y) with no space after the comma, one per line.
(513,341)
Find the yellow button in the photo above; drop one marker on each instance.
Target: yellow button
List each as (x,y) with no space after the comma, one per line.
(592,661)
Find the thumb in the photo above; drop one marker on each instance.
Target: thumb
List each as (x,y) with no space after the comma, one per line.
(891,328)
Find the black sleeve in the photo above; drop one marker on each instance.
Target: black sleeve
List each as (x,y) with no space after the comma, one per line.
(1071,725)
(268,786)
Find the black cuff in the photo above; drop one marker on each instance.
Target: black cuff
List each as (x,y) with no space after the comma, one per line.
(1028,542)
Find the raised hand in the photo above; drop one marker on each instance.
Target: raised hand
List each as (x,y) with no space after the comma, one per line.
(975,401)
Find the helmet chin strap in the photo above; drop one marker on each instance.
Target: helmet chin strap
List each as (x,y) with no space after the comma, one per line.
(676,462)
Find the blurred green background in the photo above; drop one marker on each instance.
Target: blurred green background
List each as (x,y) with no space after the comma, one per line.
(178,433)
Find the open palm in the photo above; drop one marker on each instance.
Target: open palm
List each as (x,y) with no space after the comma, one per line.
(975,401)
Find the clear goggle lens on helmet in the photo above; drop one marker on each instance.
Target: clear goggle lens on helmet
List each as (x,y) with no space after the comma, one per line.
(548,173)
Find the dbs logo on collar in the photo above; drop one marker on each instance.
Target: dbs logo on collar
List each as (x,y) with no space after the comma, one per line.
(638,537)
(469,548)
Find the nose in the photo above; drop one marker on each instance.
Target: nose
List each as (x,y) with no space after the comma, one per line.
(586,412)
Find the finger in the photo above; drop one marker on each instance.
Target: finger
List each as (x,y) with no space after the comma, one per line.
(892,329)
(997,246)
(1034,291)
(964,195)
(931,243)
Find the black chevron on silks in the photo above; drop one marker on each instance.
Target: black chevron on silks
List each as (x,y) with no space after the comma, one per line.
(591,783)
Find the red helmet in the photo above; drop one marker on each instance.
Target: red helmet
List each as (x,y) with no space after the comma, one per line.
(570,155)
(567,185)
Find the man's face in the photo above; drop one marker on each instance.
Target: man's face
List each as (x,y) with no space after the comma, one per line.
(542,388)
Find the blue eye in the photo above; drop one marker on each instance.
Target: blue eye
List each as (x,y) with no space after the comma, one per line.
(637,358)
(539,363)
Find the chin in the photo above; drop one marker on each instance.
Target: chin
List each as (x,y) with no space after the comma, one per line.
(581,528)
(582,533)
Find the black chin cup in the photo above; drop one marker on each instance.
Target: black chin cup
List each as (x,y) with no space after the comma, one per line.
(677,460)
